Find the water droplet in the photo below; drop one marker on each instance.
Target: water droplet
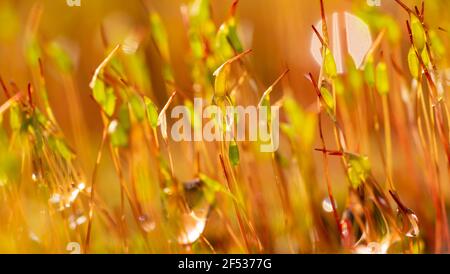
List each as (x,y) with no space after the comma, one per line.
(112,126)
(194,193)
(34,177)
(414,226)
(81,220)
(74,195)
(34,237)
(75,221)
(55,198)
(327,206)
(168,191)
(81,185)
(146,223)
(72,223)
(191,218)
(407,219)
(193,224)
(373,248)
(345,228)
(131,44)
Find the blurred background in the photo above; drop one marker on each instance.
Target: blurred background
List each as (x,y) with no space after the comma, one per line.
(278,31)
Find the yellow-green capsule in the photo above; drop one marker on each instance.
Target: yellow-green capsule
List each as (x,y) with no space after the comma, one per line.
(221,81)
(425,57)
(327,99)
(418,33)
(382,78)
(329,64)
(369,71)
(413,63)
(233,153)
(437,47)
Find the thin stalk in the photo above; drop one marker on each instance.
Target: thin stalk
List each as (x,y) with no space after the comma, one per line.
(388,141)
(92,197)
(236,208)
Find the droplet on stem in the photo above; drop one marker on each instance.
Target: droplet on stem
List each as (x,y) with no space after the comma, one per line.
(193,225)
(147,224)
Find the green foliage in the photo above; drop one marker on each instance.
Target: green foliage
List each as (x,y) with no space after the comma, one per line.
(60,57)
(159,35)
(118,129)
(137,106)
(233,153)
(105,97)
(354,75)
(15,117)
(59,147)
(9,162)
(155,201)
(358,169)
(33,51)
(9,167)
(119,136)
(369,71)
(124,116)
(382,78)
(302,125)
(213,187)
(339,86)
(151,111)
(379,21)
(109,104)
(221,82)
(227,42)
(201,26)
(437,46)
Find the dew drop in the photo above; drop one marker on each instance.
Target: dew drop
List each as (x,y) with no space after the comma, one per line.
(34,177)
(168,191)
(327,206)
(406,218)
(81,220)
(345,228)
(75,221)
(193,220)
(81,186)
(131,44)
(146,223)
(112,126)
(372,248)
(414,226)
(193,225)
(74,195)
(34,237)
(72,223)
(55,198)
